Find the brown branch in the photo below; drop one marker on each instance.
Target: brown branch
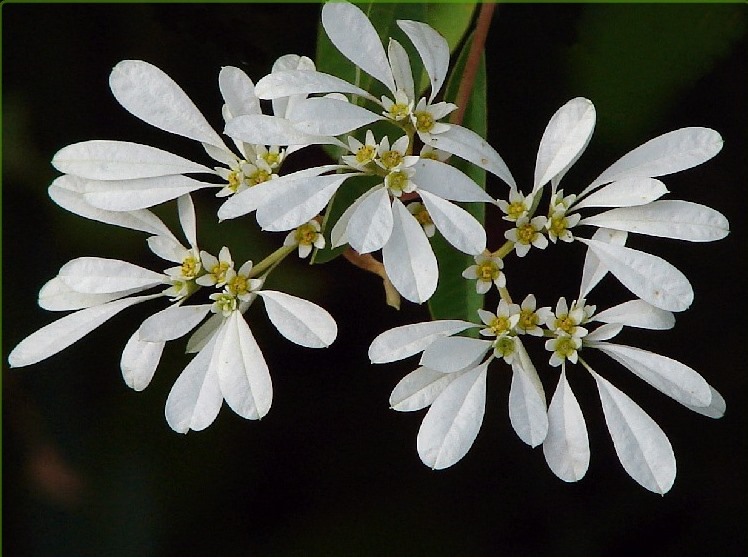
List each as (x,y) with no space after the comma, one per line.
(472,63)
(368,263)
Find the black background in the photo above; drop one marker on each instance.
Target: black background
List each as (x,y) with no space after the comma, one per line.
(91,468)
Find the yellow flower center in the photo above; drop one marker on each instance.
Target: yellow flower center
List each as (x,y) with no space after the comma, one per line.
(234,181)
(219,271)
(558,226)
(257,177)
(500,325)
(516,209)
(525,233)
(504,346)
(528,319)
(423,217)
(365,154)
(397,181)
(190,267)
(271,158)
(306,234)
(238,285)
(566,324)
(565,347)
(424,121)
(488,271)
(390,159)
(398,111)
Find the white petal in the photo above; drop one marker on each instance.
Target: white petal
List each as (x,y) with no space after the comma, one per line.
(238,92)
(651,278)
(355,37)
(604,332)
(67,192)
(566,135)
(370,226)
(131,195)
(151,95)
(281,105)
(715,410)
(676,219)
(401,71)
(408,258)
(139,361)
(433,50)
(339,232)
(55,295)
(453,421)
(172,322)
(668,376)
(299,320)
(527,406)
(195,399)
(302,82)
(672,152)
(298,202)
(202,335)
(641,446)
(95,275)
(566,446)
(187,220)
(637,313)
(451,354)
(121,160)
(473,148)
(624,193)
(328,116)
(167,248)
(419,389)
(58,335)
(593,270)
(447,182)
(458,227)
(401,342)
(242,371)
(260,129)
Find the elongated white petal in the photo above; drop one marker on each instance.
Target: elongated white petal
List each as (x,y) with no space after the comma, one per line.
(167,248)
(238,92)
(142,193)
(339,232)
(419,389)
(566,135)
(96,275)
(299,320)
(458,227)
(677,219)
(281,105)
(355,37)
(651,278)
(330,116)
(139,361)
(260,129)
(668,376)
(401,70)
(243,374)
(627,192)
(151,95)
(637,313)
(642,447)
(451,354)
(447,182)
(298,202)
(671,152)
(172,322)
(187,220)
(304,82)
(715,410)
(202,335)
(55,295)
(58,335)
(121,160)
(468,145)
(452,423)
(527,407)
(67,192)
(604,332)
(566,446)
(408,258)
(433,50)
(401,342)
(594,270)
(370,226)
(195,399)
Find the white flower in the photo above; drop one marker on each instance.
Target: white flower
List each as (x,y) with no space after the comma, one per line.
(527,233)
(216,268)
(518,205)
(356,38)
(502,322)
(531,318)
(486,271)
(306,237)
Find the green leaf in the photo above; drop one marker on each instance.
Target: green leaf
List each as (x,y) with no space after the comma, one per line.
(455,297)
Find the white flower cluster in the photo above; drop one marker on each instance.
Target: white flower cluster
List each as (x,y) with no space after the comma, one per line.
(411,193)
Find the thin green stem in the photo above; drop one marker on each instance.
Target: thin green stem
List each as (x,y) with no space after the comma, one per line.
(270,262)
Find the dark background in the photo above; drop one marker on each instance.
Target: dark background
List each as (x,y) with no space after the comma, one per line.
(91,468)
